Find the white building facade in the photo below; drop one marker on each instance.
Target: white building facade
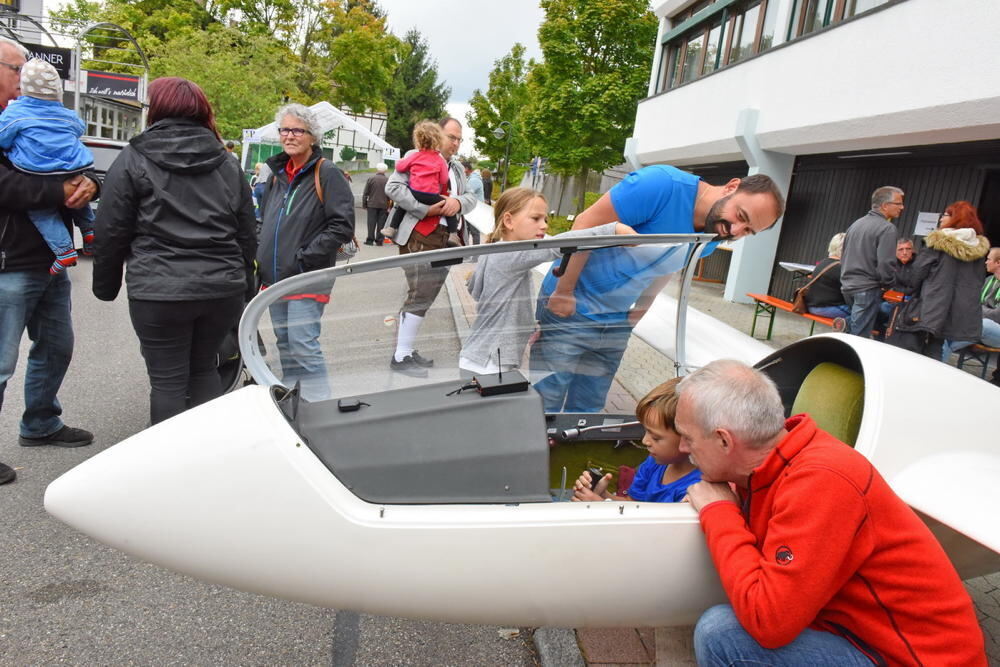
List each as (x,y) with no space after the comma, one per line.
(831,98)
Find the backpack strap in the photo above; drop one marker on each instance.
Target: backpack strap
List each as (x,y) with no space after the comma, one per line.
(319,186)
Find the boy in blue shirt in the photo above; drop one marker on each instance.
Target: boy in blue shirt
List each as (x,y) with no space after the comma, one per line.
(42,137)
(666,474)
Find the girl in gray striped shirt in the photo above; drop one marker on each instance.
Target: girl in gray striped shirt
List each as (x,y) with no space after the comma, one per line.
(502,284)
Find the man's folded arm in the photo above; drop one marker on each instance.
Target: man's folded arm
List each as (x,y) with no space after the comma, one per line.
(21,192)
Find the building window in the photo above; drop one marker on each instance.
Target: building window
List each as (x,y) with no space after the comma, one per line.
(111,122)
(713,51)
(811,15)
(744,33)
(861,6)
(724,37)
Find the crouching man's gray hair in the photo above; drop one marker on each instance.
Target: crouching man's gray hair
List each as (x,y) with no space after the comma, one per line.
(731,395)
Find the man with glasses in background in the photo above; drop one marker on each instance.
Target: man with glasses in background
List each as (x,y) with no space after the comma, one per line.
(424,228)
(587,315)
(869,258)
(31,298)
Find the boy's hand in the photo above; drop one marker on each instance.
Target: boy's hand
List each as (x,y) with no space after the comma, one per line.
(582,491)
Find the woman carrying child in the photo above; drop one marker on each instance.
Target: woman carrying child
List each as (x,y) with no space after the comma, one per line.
(502,287)
(429,177)
(666,474)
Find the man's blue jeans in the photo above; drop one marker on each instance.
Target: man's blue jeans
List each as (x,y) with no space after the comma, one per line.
(989,338)
(40,303)
(831,311)
(720,640)
(581,357)
(297,327)
(864,309)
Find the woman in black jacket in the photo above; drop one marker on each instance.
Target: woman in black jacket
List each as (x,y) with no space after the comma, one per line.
(178,214)
(307,214)
(946,280)
(824,297)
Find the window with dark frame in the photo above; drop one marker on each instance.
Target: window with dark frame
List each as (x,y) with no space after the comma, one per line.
(727,37)
(812,15)
(741,30)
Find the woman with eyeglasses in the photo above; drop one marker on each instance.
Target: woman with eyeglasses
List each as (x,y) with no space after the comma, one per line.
(946,280)
(177,214)
(307,214)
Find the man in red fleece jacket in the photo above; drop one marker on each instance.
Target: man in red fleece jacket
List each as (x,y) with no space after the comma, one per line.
(822,563)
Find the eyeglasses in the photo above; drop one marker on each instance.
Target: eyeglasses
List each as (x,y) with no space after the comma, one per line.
(13,68)
(457,140)
(294,131)
(896,203)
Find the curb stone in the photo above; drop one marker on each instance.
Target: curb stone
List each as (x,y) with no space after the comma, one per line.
(557,647)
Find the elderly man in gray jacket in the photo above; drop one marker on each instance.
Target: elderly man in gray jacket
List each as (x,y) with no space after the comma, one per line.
(867,259)
(423,228)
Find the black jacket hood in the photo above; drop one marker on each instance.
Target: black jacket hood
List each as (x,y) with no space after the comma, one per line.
(180,145)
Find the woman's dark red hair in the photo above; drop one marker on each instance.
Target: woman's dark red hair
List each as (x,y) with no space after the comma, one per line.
(963,216)
(174,97)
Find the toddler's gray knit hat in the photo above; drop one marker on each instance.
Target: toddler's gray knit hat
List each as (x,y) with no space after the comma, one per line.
(39,79)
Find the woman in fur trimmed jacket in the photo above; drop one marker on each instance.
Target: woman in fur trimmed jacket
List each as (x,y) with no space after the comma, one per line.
(946,279)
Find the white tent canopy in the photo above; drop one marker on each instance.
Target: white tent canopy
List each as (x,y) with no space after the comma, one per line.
(330,118)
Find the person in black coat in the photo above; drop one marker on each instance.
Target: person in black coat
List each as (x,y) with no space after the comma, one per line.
(902,267)
(824,297)
(487,184)
(377,204)
(178,215)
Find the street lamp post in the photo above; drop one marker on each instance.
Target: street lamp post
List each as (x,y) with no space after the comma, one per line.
(500,134)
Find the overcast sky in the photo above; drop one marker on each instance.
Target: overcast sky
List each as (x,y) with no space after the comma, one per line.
(466,38)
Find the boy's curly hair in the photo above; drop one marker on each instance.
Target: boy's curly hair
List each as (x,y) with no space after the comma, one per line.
(663,400)
(428,136)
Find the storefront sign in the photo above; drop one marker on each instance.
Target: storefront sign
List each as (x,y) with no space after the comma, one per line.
(60,58)
(117,86)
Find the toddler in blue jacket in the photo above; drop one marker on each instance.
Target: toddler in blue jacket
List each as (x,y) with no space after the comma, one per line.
(42,137)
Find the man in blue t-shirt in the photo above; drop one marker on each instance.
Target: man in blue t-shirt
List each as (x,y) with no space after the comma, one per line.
(586,316)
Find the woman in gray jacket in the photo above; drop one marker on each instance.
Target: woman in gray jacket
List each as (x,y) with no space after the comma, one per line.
(306,215)
(946,281)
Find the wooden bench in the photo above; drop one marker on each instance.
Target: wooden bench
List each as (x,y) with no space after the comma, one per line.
(765,305)
(979,353)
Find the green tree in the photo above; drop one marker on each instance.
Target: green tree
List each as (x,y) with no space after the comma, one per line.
(269,17)
(347,153)
(505,98)
(584,95)
(415,93)
(347,57)
(236,72)
(305,50)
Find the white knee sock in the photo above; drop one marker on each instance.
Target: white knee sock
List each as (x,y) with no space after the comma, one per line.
(409,327)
